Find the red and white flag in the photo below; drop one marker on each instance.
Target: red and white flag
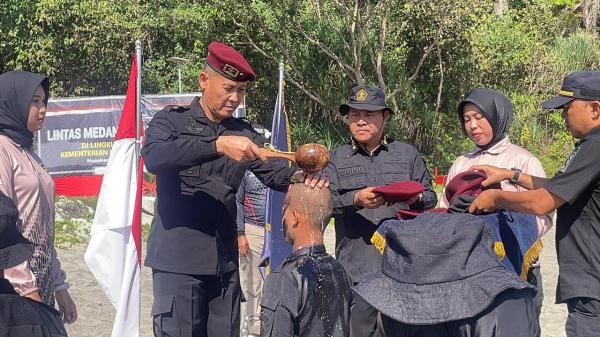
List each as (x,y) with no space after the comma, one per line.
(114,252)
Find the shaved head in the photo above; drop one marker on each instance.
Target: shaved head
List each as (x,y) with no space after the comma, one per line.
(313,203)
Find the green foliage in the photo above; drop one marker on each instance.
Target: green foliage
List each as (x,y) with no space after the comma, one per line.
(70,232)
(427,55)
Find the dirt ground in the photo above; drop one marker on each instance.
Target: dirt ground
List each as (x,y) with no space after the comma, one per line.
(96,313)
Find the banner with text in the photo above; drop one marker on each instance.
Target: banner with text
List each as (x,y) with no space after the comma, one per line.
(78,132)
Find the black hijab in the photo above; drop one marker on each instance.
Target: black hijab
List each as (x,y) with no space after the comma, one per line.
(16,91)
(496,108)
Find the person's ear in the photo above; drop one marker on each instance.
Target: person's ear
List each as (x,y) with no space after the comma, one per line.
(595,110)
(203,80)
(386,115)
(296,219)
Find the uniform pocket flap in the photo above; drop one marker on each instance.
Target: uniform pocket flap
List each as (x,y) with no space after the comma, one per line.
(162,304)
(269,302)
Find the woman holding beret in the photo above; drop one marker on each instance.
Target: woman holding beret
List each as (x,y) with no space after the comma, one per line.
(486,116)
(23,178)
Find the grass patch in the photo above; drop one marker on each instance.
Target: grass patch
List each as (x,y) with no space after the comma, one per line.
(71,232)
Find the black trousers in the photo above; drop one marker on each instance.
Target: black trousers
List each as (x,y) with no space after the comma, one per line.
(584,317)
(196,305)
(534,277)
(511,315)
(363,318)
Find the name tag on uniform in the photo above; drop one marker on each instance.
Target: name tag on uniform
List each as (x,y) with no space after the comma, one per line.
(350,171)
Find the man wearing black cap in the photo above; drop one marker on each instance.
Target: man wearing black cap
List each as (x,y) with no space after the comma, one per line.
(355,169)
(575,192)
(20,316)
(199,154)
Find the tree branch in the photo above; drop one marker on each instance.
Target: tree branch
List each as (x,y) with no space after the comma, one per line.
(284,50)
(355,46)
(382,40)
(428,50)
(307,92)
(438,101)
(345,67)
(296,83)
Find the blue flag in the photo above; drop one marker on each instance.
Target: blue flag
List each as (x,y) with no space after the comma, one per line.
(276,249)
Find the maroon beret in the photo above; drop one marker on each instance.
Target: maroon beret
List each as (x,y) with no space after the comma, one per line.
(467,183)
(229,63)
(400,191)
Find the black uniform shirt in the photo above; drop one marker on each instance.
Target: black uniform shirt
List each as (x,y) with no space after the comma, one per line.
(308,295)
(22,317)
(352,169)
(578,220)
(194,228)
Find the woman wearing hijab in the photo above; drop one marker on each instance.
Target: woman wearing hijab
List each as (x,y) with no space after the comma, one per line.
(486,116)
(23,178)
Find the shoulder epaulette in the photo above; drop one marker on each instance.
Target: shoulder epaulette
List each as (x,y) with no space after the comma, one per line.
(177,108)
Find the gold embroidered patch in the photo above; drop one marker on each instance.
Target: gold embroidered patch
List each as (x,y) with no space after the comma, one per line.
(230,70)
(565,93)
(361,95)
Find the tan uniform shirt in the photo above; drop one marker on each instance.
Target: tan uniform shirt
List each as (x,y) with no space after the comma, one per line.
(25,181)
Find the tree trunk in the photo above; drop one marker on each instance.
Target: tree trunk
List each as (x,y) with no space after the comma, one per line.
(590,16)
(501,7)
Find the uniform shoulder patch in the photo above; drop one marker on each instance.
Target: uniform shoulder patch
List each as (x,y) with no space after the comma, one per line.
(570,159)
(176,108)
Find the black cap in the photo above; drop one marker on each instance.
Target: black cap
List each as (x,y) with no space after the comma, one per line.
(365,97)
(577,85)
(14,248)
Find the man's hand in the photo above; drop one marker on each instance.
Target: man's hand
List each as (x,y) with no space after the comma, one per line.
(494,174)
(243,245)
(66,306)
(485,202)
(368,199)
(239,148)
(316,179)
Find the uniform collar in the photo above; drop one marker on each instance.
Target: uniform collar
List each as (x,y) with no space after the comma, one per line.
(6,287)
(498,148)
(384,144)
(200,115)
(317,249)
(594,133)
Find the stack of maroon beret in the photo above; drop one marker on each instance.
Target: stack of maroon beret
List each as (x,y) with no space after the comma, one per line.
(467,183)
(400,191)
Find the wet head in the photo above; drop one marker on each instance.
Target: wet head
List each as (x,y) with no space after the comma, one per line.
(306,213)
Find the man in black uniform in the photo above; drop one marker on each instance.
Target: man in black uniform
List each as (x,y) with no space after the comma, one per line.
(309,294)
(199,155)
(370,160)
(575,192)
(20,316)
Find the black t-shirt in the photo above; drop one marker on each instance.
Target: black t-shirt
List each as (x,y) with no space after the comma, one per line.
(578,220)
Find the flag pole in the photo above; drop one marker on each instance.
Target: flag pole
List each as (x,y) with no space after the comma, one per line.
(138,144)
(280,88)
(138,98)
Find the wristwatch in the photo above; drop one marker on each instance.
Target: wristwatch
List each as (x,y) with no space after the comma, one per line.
(516,176)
